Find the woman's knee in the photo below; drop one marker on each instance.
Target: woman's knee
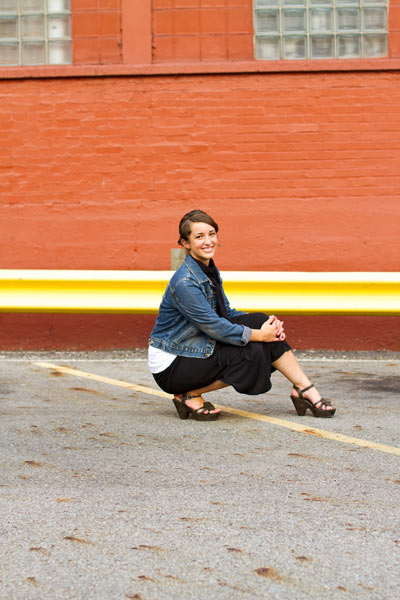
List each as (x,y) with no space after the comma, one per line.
(252,320)
(259,318)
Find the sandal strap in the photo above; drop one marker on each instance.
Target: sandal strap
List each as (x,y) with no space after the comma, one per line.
(301,391)
(188,397)
(206,406)
(325,402)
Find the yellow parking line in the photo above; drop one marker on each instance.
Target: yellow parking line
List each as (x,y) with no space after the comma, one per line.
(118,382)
(320,433)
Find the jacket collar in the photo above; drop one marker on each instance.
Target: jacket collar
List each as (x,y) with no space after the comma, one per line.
(195,269)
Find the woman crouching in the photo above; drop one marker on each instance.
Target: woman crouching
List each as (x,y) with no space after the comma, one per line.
(200,344)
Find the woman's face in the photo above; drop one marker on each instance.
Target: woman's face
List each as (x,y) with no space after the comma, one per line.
(202,243)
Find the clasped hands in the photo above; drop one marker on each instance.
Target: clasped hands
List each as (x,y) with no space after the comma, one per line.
(270,331)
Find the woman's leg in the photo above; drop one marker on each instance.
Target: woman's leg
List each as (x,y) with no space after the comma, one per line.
(290,368)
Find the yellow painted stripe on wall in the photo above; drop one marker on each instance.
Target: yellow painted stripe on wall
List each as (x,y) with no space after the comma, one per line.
(141,291)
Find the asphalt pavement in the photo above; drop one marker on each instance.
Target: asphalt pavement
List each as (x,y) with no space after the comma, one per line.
(106,494)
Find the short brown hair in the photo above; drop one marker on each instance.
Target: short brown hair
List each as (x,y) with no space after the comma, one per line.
(194,216)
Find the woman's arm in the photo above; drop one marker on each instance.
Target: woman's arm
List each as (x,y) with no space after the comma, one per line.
(192,303)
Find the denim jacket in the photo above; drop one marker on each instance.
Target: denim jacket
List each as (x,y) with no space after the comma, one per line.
(187,324)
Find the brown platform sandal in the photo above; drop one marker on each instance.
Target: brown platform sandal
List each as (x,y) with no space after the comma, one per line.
(301,404)
(184,411)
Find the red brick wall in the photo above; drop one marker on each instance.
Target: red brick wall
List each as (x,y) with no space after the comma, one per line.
(103,332)
(96,171)
(300,170)
(96,31)
(202,30)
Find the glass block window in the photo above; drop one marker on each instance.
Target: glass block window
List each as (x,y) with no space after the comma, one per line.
(317,29)
(35,32)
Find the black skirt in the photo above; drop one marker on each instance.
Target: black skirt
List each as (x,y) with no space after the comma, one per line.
(247,368)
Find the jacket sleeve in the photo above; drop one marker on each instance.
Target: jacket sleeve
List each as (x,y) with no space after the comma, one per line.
(192,303)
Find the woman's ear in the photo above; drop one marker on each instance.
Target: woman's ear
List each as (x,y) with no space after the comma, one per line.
(185,244)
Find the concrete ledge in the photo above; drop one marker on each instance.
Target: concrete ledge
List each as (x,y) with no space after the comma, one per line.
(201,68)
